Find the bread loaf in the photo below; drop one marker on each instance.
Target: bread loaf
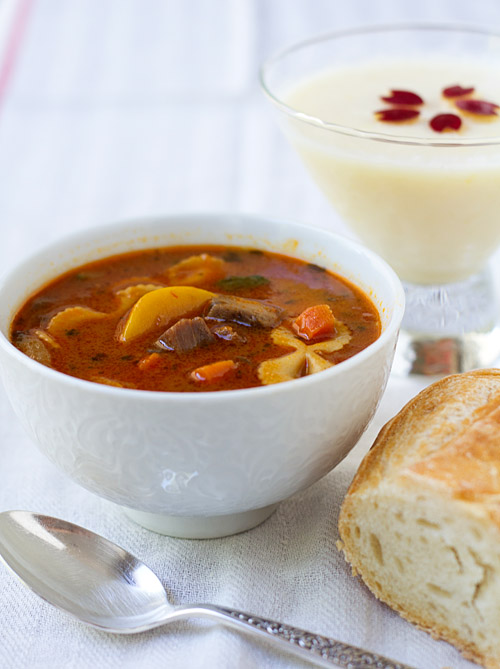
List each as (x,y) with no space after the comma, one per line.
(421,521)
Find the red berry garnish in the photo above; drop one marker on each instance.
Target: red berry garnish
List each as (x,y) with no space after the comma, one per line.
(479,107)
(444,122)
(396,115)
(403,98)
(457,91)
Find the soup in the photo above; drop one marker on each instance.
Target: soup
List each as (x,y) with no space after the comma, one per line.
(195,318)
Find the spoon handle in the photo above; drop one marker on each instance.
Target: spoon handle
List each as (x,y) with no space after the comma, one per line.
(318,649)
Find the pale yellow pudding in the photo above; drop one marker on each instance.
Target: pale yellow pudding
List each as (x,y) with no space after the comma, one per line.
(430,207)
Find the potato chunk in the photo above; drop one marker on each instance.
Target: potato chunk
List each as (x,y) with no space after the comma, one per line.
(159,308)
(128,296)
(196,270)
(71,318)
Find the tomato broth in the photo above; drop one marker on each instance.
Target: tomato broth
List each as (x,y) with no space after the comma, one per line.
(195,318)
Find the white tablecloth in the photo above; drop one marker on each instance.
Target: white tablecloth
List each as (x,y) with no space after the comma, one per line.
(121,108)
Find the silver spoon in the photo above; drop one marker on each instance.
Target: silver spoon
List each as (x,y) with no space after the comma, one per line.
(106,587)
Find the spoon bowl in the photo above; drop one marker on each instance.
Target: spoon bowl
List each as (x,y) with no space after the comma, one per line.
(103,585)
(82,573)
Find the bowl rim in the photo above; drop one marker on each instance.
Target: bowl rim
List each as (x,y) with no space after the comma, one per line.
(99,230)
(490,140)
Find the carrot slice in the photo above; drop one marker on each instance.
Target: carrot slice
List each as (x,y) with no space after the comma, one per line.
(149,361)
(317,321)
(214,371)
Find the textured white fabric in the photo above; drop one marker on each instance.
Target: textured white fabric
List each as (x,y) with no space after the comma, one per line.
(124,108)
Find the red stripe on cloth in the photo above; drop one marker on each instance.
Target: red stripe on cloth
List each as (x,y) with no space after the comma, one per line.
(13,46)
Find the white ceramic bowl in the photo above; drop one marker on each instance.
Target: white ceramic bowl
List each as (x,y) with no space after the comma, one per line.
(201,464)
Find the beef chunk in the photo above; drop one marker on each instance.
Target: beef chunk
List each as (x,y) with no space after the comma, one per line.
(227,333)
(186,334)
(33,347)
(245,311)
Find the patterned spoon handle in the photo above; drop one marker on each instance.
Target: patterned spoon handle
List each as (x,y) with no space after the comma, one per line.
(319,650)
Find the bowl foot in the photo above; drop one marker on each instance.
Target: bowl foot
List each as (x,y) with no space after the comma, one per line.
(200,527)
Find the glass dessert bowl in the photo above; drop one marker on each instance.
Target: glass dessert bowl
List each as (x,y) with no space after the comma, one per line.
(400,128)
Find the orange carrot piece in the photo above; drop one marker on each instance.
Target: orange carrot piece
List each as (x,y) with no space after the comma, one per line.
(149,361)
(213,371)
(317,321)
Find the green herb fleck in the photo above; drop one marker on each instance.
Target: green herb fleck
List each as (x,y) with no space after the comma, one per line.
(337,298)
(232,283)
(72,333)
(242,358)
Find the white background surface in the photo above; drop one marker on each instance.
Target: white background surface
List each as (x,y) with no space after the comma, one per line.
(114,109)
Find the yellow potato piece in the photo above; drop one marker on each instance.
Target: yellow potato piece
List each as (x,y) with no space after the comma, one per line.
(128,296)
(46,338)
(71,318)
(111,382)
(160,307)
(196,270)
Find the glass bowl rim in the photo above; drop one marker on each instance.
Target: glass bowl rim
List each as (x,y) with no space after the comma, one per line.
(490,140)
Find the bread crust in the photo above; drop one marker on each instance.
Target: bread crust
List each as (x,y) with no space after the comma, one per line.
(389,450)
(444,446)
